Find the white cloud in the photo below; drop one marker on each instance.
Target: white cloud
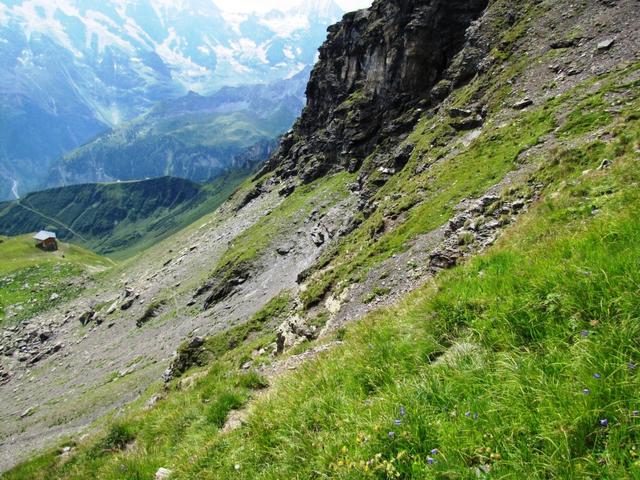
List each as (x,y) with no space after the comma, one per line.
(234,19)
(288,52)
(248,6)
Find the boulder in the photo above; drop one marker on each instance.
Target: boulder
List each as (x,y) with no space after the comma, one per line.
(468,123)
(459,113)
(87,316)
(522,104)
(564,43)
(127,304)
(292,332)
(605,45)
(317,236)
(284,250)
(189,354)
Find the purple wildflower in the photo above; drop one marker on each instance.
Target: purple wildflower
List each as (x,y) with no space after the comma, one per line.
(597,376)
(431,460)
(475,416)
(604,422)
(397,422)
(632,366)
(584,333)
(586,391)
(392,434)
(435,451)
(467,414)
(403,411)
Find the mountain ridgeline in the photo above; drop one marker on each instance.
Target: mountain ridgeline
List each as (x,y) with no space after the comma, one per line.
(195,137)
(433,276)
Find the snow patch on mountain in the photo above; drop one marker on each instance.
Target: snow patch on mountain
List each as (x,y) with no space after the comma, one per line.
(285,25)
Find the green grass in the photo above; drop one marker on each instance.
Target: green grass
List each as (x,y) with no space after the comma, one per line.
(488,364)
(29,276)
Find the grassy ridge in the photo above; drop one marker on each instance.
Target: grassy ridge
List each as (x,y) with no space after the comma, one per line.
(117,219)
(29,277)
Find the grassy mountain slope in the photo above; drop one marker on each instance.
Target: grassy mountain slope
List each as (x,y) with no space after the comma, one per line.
(520,361)
(117,219)
(30,277)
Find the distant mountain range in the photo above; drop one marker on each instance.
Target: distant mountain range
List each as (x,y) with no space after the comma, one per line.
(194,137)
(72,69)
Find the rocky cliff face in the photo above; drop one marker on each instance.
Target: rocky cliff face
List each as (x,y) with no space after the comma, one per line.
(376,72)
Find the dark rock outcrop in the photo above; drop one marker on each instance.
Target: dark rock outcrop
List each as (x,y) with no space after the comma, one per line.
(190,354)
(374,78)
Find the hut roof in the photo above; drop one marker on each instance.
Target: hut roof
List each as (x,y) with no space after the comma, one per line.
(44,235)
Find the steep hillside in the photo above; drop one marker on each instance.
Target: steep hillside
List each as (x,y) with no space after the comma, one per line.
(435,276)
(195,137)
(72,69)
(117,219)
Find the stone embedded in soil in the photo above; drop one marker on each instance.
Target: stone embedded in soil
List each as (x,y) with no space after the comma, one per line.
(163,474)
(605,45)
(522,104)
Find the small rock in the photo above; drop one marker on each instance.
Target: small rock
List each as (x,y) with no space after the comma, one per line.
(152,402)
(522,104)
(605,45)
(112,308)
(28,412)
(127,305)
(86,317)
(283,250)
(45,335)
(606,163)
(54,297)
(163,474)
(565,43)
(459,113)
